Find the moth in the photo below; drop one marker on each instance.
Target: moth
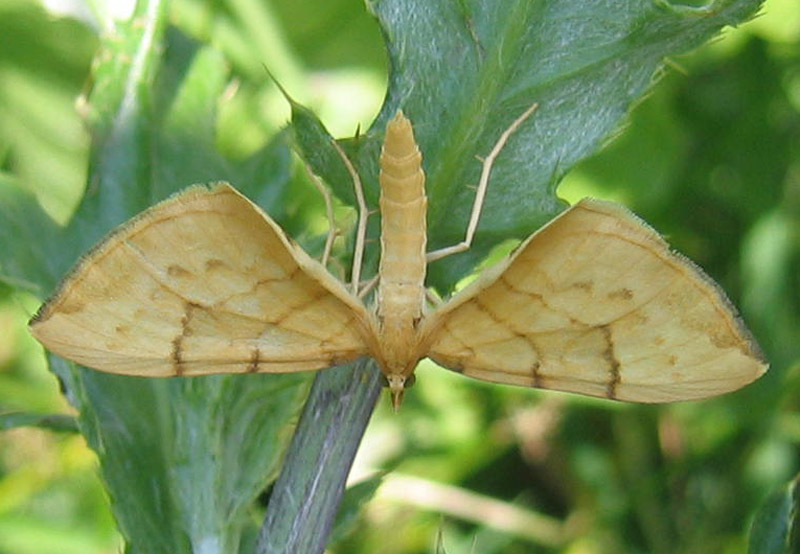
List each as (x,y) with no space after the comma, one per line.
(594,302)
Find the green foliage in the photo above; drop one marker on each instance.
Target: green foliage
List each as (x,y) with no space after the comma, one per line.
(776,529)
(183,459)
(55,422)
(710,159)
(353,502)
(463,71)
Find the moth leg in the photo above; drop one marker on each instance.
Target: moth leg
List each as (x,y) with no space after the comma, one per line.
(363,214)
(332,230)
(480,194)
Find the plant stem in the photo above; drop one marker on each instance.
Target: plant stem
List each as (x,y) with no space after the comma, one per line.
(308,491)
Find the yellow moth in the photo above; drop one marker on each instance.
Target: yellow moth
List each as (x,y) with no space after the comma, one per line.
(594,302)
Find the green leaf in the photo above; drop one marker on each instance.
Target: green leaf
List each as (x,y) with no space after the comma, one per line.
(184,458)
(462,71)
(53,422)
(43,64)
(354,499)
(332,32)
(776,528)
(26,261)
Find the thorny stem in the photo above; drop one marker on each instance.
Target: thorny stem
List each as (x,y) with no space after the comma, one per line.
(307,494)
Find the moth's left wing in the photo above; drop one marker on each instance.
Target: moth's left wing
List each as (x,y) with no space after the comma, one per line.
(204,282)
(596,303)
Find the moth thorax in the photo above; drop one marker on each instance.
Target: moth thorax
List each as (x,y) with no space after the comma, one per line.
(399,340)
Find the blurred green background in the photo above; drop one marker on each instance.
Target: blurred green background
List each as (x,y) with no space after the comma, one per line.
(711,158)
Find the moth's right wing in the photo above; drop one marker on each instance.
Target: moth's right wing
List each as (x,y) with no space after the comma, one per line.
(596,303)
(204,282)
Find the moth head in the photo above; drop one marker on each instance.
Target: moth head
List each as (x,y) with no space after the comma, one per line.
(398,383)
